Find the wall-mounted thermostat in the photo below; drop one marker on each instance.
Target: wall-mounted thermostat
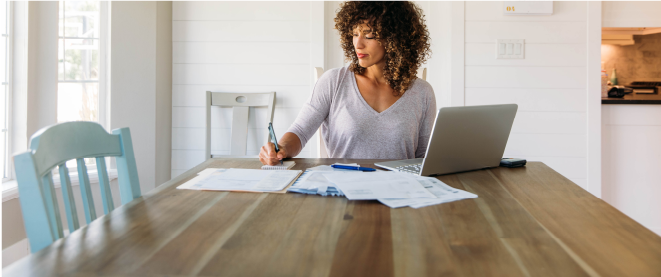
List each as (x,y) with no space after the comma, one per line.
(528,7)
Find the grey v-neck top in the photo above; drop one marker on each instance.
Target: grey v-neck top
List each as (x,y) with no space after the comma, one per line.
(351,128)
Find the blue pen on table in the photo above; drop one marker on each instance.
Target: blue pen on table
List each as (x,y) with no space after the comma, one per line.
(274,140)
(353,167)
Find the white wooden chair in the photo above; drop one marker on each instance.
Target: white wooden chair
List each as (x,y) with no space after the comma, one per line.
(240,103)
(422,73)
(321,147)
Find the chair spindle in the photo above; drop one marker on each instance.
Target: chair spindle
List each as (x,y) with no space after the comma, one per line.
(67,196)
(53,209)
(85,191)
(104,183)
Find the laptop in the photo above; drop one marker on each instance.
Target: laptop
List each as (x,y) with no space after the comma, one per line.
(463,139)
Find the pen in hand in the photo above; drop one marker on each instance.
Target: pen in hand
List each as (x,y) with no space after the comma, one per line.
(274,140)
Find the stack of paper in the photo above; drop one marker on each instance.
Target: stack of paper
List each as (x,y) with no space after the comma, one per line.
(393,189)
(377,185)
(442,192)
(313,181)
(284,166)
(237,179)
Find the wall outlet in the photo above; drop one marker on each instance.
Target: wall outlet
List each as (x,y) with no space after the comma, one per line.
(510,49)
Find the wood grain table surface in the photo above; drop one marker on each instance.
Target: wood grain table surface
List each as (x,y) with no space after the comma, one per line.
(528,221)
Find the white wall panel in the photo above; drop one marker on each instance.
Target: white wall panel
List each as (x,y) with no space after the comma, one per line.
(572,54)
(525,77)
(285,96)
(549,84)
(186,159)
(233,10)
(546,145)
(631,154)
(241,52)
(189,138)
(493,11)
(549,123)
(532,31)
(632,186)
(254,31)
(629,115)
(530,100)
(241,74)
(189,117)
(221,117)
(631,14)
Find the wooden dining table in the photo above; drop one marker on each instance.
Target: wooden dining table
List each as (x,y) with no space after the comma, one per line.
(527,221)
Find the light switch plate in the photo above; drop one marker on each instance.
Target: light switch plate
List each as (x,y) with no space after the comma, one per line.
(510,49)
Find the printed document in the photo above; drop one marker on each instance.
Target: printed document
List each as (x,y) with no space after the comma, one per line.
(376,185)
(237,179)
(191,184)
(443,193)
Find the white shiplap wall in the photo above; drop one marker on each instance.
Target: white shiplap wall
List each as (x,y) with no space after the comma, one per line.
(631,14)
(239,47)
(549,85)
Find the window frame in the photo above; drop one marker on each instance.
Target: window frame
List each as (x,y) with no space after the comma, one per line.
(104,73)
(104,70)
(9,162)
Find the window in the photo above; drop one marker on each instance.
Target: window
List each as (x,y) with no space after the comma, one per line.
(81,61)
(78,61)
(5,99)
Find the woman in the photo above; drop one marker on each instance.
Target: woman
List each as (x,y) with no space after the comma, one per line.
(374,108)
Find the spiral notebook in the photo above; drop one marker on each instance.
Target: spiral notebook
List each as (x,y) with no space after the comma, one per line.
(284,166)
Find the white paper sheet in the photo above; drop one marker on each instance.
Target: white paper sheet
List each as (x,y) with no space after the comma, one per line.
(353,164)
(200,175)
(242,179)
(209,170)
(375,185)
(442,191)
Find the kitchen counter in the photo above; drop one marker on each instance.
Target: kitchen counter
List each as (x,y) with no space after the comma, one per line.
(631,98)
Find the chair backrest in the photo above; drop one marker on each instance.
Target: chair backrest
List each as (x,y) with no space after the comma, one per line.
(241,103)
(55,145)
(422,73)
(321,146)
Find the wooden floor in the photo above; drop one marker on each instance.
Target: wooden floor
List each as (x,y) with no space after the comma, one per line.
(527,221)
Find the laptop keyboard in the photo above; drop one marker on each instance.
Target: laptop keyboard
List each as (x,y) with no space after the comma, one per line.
(412,168)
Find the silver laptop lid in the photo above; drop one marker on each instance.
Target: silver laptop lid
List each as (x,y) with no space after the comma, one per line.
(468,138)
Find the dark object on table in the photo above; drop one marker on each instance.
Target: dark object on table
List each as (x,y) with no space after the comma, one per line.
(645,87)
(618,91)
(512,162)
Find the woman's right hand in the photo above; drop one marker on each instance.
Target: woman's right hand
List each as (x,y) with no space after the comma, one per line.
(268,156)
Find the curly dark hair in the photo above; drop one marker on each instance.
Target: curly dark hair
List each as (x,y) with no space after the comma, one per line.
(398,26)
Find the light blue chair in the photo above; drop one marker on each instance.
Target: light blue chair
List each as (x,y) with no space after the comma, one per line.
(54,145)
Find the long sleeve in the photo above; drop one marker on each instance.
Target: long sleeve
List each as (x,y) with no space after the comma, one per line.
(316,109)
(427,124)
